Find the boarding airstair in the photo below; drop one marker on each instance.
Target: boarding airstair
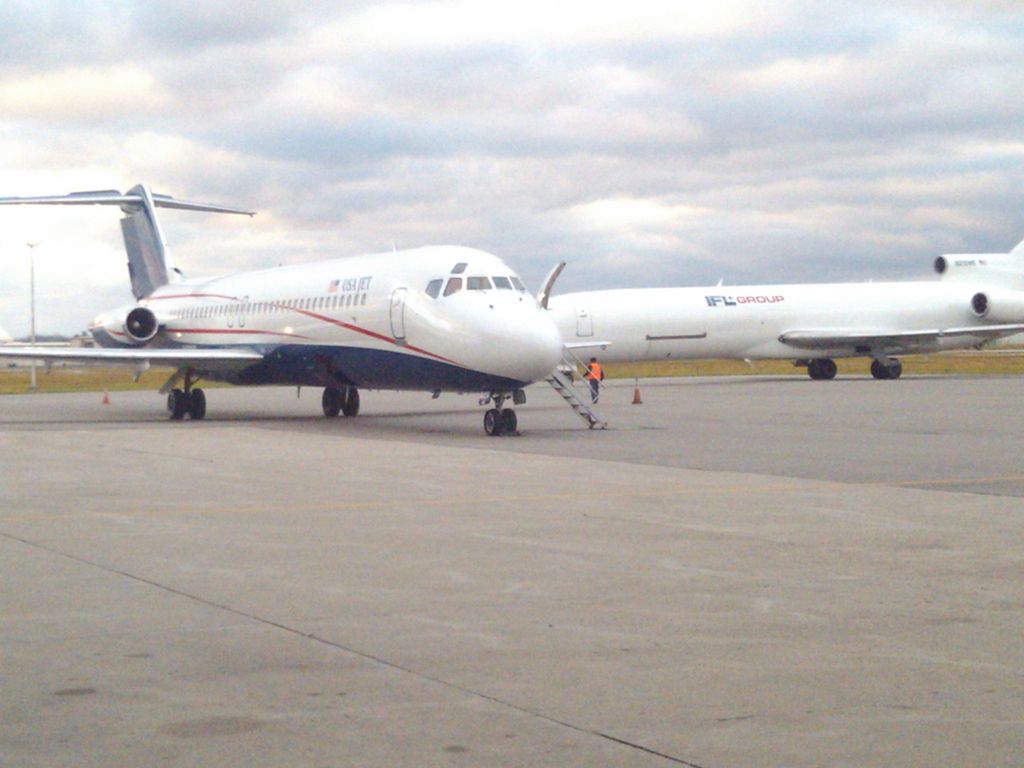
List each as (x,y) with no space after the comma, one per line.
(561,382)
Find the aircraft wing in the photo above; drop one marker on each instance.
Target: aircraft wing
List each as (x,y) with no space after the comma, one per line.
(134,356)
(832,339)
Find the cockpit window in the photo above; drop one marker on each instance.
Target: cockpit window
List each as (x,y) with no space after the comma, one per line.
(518,284)
(434,288)
(459,268)
(454,286)
(502,283)
(478,283)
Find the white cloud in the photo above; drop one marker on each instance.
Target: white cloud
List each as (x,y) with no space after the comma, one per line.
(648,143)
(82,93)
(453,23)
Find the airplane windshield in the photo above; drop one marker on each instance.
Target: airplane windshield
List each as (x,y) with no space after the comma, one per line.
(434,288)
(518,284)
(478,283)
(454,286)
(502,283)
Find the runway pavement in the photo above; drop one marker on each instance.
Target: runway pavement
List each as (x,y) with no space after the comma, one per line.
(738,572)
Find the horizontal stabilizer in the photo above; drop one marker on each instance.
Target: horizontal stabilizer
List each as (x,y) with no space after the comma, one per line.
(125,199)
(148,264)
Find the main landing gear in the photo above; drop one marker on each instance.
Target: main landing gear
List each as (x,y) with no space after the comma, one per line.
(345,400)
(887,368)
(500,420)
(821,368)
(189,401)
(881,368)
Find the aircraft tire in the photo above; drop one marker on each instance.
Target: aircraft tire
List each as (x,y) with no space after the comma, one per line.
(331,402)
(197,405)
(494,423)
(350,402)
(886,369)
(822,368)
(177,404)
(509,421)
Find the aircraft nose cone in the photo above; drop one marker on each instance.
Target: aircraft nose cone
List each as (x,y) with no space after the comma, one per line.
(544,344)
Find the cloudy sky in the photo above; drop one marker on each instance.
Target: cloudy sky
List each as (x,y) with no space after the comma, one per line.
(646,143)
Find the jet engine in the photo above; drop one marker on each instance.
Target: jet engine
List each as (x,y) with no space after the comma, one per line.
(141,325)
(999,306)
(1005,269)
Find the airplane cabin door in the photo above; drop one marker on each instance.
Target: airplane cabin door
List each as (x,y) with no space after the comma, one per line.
(584,322)
(398,314)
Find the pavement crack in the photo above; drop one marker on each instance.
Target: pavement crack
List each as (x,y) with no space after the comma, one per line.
(379,660)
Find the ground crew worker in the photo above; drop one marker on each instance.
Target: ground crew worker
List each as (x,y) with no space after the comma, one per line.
(595,375)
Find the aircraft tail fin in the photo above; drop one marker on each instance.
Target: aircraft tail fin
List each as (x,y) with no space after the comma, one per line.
(148,264)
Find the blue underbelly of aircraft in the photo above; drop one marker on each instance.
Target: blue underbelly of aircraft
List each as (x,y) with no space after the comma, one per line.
(315,366)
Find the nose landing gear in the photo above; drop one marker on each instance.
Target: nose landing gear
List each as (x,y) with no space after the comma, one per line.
(500,420)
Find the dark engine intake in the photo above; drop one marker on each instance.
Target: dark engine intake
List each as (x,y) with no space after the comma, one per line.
(141,325)
(979,303)
(999,306)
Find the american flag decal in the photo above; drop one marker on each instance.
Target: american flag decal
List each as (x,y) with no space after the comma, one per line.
(333,287)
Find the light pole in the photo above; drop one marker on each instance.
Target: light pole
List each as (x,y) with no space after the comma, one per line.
(32,303)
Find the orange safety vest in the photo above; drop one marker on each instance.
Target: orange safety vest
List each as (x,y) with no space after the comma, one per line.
(594,372)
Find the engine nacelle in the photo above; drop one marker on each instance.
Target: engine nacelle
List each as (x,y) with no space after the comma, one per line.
(986,268)
(999,306)
(141,325)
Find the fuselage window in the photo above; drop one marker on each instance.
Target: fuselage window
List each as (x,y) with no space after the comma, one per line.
(503,283)
(434,288)
(363,302)
(459,268)
(454,286)
(478,283)
(518,284)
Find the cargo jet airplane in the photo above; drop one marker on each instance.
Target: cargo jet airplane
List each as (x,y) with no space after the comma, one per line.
(978,298)
(436,319)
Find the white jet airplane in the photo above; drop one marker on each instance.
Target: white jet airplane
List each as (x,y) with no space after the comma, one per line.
(436,319)
(978,298)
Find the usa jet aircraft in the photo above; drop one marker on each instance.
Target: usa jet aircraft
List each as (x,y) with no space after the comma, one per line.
(977,298)
(436,319)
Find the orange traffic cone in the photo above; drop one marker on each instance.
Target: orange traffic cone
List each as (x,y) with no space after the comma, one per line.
(636,393)
(106,397)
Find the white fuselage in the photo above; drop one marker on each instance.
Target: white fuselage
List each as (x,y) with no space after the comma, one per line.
(369,317)
(748,322)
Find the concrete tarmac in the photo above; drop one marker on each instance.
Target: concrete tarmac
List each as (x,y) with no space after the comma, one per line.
(738,572)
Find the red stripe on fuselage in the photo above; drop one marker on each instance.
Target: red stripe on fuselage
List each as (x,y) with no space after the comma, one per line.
(373,335)
(307,313)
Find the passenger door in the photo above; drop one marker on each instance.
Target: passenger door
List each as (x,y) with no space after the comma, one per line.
(584,322)
(398,314)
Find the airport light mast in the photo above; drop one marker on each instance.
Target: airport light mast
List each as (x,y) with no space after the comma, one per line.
(32,305)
